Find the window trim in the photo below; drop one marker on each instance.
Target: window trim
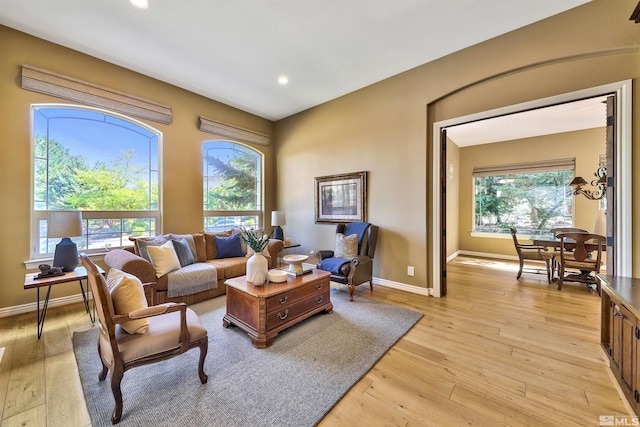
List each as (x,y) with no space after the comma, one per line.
(38,215)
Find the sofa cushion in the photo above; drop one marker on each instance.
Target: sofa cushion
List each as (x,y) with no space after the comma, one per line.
(127,295)
(210,241)
(201,247)
(164,258)
(346,247)
(183,250)
(228,247)
(230,267)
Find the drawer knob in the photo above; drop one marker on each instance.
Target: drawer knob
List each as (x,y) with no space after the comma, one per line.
(319,286)
(319,299)
(283,316)
(283,300)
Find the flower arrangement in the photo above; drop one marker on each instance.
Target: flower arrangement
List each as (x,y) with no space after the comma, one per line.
(255,239)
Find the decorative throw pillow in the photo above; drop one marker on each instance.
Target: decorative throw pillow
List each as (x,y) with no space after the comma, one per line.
(346,247)
(143,243)
(228,247)
(127,295)
(183,250)
(188,238)
(164,258)
(210,243)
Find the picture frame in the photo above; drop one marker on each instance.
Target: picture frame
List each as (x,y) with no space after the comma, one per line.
(341,198)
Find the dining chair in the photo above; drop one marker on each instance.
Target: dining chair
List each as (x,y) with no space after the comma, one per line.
(554,254)
(584,262)
(531,253)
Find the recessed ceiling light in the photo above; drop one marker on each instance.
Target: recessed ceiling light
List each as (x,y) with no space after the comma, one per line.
(142,4)
(283,80)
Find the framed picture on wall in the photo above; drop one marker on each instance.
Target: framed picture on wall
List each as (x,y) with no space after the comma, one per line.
(341,198)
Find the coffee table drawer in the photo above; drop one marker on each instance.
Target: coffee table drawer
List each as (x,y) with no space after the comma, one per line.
(281,300)
(285,314)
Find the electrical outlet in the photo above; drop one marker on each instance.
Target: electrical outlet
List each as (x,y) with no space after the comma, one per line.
(411,271)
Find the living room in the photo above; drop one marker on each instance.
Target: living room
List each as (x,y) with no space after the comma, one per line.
(384,128)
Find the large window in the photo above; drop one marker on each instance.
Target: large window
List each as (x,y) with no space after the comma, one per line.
(232,186)
(101,163)
(532,197)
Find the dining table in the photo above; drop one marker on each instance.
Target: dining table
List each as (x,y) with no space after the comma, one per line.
(550,241)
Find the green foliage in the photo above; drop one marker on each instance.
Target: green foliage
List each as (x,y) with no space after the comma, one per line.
(73,184)
(503,201)
(255,239)
(237,187)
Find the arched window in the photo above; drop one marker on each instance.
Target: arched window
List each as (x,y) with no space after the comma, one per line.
(101,163)
(232,186)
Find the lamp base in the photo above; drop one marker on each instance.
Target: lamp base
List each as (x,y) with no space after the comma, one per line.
(278,233)
(66,255)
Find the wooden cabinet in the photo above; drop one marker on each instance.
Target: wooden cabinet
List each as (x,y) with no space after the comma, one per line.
(620,333)
(264,311)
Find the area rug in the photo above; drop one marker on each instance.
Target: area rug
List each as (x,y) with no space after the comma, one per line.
(294,382)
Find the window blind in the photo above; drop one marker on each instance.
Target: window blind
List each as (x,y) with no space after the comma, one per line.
(553,165)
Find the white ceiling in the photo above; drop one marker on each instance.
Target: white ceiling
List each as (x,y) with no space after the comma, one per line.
(578,115)
(233,51)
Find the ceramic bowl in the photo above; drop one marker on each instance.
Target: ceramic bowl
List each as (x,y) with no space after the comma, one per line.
(277,276)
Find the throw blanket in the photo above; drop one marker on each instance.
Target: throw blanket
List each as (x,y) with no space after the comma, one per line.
(192,279)
(333,265)
(358,228)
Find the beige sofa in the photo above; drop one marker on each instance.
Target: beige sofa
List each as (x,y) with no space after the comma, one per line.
(131,261)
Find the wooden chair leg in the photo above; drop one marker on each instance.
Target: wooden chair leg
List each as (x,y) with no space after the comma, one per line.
(560,277)
(520,271)
(351,289)
(204,347)
(103,374)
(116,377)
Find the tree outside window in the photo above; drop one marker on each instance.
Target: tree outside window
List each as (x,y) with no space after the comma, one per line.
(533,203)
(232,186)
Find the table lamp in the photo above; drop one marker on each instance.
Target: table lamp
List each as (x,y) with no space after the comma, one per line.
(278,219)
(65,224)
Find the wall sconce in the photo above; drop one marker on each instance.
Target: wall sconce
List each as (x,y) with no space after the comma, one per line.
(601,183)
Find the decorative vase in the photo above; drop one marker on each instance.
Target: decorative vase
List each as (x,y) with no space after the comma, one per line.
(257,267)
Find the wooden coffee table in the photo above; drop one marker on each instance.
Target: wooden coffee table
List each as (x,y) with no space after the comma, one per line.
(264,311)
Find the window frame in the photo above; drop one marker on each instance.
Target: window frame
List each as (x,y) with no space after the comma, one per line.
(38,215)
(543,166)
(259,212)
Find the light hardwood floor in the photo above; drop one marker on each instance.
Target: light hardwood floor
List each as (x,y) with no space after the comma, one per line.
(495,351)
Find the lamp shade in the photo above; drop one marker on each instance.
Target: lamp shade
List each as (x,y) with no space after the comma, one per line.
(64,224)
(278,218)
(578,181)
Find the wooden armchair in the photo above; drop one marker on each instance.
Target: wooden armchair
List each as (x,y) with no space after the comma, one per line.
(173,329)
(554,253)
(530,252)
(586,258)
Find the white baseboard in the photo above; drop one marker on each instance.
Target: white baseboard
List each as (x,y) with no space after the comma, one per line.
(453,256)
(403,287)
(31,307)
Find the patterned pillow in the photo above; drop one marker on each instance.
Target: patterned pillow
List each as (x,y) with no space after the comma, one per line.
(127,295)
(346,247)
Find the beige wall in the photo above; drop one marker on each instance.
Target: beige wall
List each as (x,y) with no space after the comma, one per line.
(182,142)
(386,128)
(586,146)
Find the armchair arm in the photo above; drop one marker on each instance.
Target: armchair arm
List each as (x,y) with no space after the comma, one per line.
(132,264)
(159,310)
(360,270)
(274,247)
(322,254)
(152,287)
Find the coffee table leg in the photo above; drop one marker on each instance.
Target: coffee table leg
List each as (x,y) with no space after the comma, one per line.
(42,313)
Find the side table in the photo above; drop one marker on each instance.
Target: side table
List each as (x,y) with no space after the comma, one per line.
(79,274)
